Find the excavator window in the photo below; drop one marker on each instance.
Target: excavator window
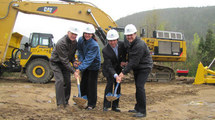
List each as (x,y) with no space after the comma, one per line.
(41,39)
(34,40)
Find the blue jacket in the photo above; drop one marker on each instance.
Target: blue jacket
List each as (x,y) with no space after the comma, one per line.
(88,54)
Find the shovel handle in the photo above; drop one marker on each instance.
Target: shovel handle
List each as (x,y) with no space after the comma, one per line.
(79,89)
(117,85)
(78,81)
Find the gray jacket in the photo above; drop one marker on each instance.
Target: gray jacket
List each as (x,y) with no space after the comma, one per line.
(64,52)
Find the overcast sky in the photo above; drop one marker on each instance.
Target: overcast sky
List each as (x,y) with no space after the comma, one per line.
(25,24)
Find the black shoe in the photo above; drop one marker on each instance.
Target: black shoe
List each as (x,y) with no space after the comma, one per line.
(89,108)
(105,109)
(133,111)
(116,109)
(139,114)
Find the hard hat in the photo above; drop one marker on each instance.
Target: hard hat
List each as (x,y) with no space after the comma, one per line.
(89,29)
(112,35)
(74,30)
(130,29)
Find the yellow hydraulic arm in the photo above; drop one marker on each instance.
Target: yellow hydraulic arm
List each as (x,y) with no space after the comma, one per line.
(77,11)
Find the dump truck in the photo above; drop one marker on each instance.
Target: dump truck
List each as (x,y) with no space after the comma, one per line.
(35,55)
(164,46)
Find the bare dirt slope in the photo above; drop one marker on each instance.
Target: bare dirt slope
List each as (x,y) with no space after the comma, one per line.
(21,100)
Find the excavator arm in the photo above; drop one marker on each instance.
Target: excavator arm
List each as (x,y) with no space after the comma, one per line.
(76,11)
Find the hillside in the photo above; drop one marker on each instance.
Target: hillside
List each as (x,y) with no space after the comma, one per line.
(187,20)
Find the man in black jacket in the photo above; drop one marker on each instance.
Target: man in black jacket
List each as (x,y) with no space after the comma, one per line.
(140,61)
(113,54)
(62,55)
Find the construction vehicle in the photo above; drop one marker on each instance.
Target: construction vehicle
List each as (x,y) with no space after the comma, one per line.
(34,62)
(205,74)
(165,46)
(35,55)
(83,12)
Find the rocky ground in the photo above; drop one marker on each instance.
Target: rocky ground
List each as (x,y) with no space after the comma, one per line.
(176,100)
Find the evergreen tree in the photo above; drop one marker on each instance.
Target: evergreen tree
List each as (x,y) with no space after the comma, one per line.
(206,48)
(201,48)
(192,57)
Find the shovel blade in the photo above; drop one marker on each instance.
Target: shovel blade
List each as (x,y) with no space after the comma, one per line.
(117,95)
(81,102)
(110,97)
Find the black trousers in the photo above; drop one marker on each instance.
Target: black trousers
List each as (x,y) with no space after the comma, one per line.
(62,83)
(141,77)
(109,88)
(88,86)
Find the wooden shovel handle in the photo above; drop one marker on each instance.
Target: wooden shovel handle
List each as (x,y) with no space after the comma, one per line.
(78,82)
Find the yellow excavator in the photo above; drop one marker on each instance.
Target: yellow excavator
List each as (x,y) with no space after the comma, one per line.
(165,45)
(34,61)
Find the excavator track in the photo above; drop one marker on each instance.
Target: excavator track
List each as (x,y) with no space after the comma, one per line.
(161,74)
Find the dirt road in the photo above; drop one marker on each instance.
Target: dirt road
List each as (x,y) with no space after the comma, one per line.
(21,100)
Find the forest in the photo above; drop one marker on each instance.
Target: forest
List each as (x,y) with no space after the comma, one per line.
(196,23)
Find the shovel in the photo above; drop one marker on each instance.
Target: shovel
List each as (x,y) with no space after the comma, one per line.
(112,97)
(81,101)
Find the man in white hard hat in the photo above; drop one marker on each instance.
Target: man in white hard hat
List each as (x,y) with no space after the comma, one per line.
(62,54)
(114,54)
(140,61)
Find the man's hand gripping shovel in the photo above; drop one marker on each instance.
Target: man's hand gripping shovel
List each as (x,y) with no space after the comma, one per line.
(81,101)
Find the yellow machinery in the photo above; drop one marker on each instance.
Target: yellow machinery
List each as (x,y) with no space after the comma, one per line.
(165,46)
(204,74)
(162,49)
(35,61)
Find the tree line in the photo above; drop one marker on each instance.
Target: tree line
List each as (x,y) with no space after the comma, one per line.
(197,24)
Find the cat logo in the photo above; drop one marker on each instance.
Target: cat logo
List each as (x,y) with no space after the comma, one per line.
(47,9)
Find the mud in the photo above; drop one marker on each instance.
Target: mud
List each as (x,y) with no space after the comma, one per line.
(176,100)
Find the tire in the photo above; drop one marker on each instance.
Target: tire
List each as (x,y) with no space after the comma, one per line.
(39,71)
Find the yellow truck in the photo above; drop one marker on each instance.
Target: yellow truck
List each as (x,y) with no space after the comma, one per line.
(35,56)
(165,46)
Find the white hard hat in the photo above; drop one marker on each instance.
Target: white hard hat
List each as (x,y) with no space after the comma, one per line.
(130,29)
(89,29)
(74,30)
(112,35)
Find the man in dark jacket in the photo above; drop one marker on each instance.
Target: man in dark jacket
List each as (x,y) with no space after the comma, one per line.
(113,54)
(140,61)
(62,55)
